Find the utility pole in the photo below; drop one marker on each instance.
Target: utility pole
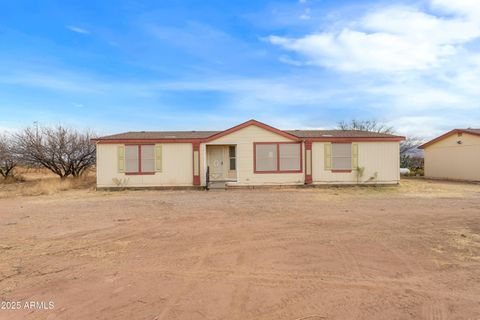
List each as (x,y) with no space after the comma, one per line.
(35,123)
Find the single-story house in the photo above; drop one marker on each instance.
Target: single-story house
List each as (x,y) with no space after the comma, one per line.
(249,154)
(453,155)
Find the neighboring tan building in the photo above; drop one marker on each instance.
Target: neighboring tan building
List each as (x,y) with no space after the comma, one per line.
(249,154)
(454,155)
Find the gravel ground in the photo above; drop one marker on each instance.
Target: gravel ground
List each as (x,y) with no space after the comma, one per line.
(407,252)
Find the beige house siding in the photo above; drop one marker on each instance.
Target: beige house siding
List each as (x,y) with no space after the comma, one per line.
(244,139)
(177,167)
(381,161)
(450,160)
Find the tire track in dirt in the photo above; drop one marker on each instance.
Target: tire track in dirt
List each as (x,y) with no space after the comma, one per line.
(109,240)
(265,241)
(271,279)
(434,310)
(285,302)
(238,304)
(349,261)
(191,283)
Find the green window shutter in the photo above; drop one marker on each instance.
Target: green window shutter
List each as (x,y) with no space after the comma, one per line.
(354,156)
(158,158)
(121,159)
(327,156)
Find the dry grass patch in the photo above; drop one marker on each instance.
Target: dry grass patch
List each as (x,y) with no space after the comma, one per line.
(55,185)
(435,188)
(35,182)
(411,188)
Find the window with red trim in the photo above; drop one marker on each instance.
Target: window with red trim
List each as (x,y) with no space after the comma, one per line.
(139,159)
(277,157)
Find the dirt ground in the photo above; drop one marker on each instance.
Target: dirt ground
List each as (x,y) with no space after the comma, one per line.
(407,252)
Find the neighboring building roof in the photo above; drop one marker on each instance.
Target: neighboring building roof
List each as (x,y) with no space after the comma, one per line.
(472,131)
(211,135)
(449,133)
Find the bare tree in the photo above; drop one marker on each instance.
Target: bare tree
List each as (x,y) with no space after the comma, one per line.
(366,125)
(410,145)
(8,157)
(409,155)
(63,151)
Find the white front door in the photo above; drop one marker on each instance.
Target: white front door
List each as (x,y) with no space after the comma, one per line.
(215,162)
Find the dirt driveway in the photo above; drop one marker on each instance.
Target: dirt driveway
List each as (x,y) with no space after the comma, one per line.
(411,252)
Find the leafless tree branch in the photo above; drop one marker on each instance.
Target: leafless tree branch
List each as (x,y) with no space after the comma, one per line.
(8,157)
(366,125)
(62,150)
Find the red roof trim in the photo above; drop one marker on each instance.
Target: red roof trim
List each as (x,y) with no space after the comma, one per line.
(254,123)
(116,141)
(445,135)
(355,139)
(325,139)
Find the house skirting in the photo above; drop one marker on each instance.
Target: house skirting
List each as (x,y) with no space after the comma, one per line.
(165,188)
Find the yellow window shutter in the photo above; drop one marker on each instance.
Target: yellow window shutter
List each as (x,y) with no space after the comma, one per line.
(121,159)
(354,156)
(158,157)
(327,156)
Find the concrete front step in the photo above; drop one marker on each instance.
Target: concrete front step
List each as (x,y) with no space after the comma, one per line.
(217,185)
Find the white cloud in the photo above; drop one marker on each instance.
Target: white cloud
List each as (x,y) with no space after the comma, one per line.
(57,81)
(469,8)
(351,50)
(417,68)
(416,97)
(288,60)
(388,40)
(5,130)
(304,16)
(78,29)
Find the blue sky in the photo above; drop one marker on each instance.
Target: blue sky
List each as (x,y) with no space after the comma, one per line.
(115,66)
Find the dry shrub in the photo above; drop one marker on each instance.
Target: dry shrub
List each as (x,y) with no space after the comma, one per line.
(17,178)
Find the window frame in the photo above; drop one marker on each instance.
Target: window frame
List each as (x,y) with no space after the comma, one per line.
(278,157)
(332,159)
(139,150)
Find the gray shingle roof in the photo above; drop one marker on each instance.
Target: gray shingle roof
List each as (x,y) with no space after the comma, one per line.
(160,135)
(338,134)
(133,135)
